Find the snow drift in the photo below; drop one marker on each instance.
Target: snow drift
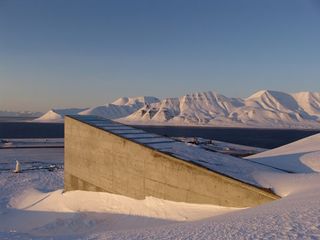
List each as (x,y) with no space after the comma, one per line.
(302,156)
(33,206)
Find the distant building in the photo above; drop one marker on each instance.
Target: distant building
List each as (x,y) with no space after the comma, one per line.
(103,155)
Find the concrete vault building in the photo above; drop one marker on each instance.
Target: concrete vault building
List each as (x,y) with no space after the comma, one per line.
(103,155)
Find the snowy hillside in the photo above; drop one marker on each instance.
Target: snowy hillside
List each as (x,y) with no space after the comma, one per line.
(262,109)
(309,102)
(299,157)
(122,107)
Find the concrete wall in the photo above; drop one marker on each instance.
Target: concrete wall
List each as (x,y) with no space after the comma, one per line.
(96,160)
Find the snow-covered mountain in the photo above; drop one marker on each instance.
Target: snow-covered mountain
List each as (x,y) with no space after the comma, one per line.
(20,114)
(262,109)
(122,107)
(269,109)
(309,102)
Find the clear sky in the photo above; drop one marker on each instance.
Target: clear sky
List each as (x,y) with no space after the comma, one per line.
(75,53)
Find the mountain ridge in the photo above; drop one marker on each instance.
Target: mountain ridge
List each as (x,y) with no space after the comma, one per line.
(263,109)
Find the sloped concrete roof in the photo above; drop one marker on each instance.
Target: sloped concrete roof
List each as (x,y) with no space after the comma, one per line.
(236,168)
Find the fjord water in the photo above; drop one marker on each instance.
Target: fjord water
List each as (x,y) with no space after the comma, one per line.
(265,138)
(17,129)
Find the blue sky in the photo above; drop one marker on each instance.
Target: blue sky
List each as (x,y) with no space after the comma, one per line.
(85,53)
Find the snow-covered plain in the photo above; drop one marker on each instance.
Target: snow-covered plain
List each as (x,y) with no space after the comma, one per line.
(263,109)
(33,206)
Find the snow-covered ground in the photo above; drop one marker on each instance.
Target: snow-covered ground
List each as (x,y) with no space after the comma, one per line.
(33,206)
(263,109)
(295,216)
(293,157)
(31,158)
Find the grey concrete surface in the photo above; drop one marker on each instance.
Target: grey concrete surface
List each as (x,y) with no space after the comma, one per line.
(97,160)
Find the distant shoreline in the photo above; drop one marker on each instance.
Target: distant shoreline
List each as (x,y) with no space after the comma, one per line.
(16,119)
(255,137)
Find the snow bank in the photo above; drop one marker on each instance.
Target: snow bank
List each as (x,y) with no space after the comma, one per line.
(83,201)
(33,206)
(30,209)
(302,156)
(296,216)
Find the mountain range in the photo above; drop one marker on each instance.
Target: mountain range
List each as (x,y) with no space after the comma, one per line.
(20,114)
(263,109)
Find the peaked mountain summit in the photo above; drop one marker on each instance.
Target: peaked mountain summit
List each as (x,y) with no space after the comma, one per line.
(57,115)
(263,109)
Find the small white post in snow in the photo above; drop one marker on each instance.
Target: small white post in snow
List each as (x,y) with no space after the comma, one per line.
(18,167)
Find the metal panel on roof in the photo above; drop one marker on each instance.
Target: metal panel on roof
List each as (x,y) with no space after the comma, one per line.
(139,135)
(153,140)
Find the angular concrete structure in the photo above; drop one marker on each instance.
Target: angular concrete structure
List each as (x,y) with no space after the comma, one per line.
(102,155)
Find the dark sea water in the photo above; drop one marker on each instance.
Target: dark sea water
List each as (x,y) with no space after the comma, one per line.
(265,138)
(15,119)
(31,130)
